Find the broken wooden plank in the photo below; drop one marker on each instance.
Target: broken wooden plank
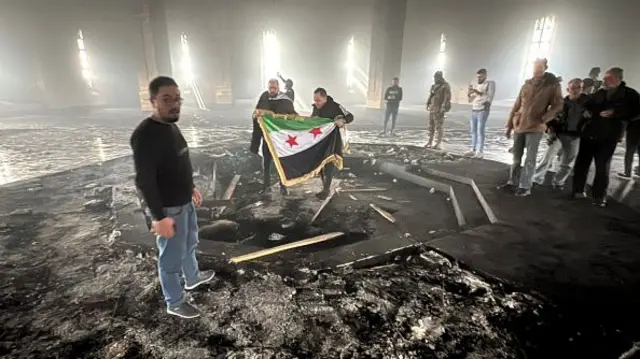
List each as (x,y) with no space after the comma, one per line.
(353,197)
(383,213)
(232,187)
(284,247)
(385,198)
(214,173)
(324,204)
(354,190)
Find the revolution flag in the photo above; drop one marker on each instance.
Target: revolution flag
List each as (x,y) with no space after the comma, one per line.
(301,146)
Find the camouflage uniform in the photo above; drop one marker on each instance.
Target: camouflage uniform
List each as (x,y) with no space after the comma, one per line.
(438,104)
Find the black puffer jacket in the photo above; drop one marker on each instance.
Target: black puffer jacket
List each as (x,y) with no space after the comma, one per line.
(279,104)
(571,120)
(625,103)
(331,110)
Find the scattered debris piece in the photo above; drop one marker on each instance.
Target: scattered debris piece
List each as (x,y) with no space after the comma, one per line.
(372,189)
(385,198)
(274,250)
(432,191)
(232,187)
(324,204)
(353,197)
(276,237)
(383,213)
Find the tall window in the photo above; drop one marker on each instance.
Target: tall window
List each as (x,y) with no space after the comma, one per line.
(442,53)
(351,64)
(541,42)
(84,60)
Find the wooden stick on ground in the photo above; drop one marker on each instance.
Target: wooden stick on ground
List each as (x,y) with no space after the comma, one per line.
(284,247)
(229,192)
(353,190)
(232,187)
(324,204)
(383,213)
(214,174)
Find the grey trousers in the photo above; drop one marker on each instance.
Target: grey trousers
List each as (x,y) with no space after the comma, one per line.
(522,176)
(568,145)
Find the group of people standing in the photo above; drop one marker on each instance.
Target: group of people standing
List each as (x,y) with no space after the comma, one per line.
(281,103)
(583,127)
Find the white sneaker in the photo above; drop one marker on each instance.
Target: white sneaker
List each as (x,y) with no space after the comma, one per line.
(471,153)
(479,155)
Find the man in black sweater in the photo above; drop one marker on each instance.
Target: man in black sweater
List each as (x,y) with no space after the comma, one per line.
(324,106)
(275,101)
(609,108)
(393,97)
(164,178)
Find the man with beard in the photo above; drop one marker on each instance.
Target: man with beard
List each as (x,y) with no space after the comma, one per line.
(324,106)
(275,101)
(393,96)
(539,101)
(480,97)
(438,104)
(164,178)
(609,108)
(288,88)
(564,136)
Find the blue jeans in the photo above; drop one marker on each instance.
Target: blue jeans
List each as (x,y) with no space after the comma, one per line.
(476,129)
(392,111)
(523,176)
(177,255)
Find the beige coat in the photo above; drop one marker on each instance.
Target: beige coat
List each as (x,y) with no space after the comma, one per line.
(539,101)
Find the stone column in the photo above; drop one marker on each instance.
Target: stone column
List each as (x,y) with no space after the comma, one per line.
(387,36)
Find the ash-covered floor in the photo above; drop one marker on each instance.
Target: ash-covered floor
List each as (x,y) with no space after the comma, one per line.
(72,285)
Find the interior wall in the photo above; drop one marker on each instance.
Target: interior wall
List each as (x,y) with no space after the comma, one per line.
(496,35)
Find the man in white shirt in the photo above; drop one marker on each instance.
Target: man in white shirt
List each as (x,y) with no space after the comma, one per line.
(480,96)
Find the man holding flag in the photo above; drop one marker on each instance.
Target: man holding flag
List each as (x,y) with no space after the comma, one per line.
(275,101)
(302,147)
(324,106)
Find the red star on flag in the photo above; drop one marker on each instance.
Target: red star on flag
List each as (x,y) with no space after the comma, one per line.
(316,132)
(292,140)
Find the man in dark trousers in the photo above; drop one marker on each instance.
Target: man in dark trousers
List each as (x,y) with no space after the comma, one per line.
(632,146)
(393,97)
(609,109)
(324,106)
(275,101)
(164,178)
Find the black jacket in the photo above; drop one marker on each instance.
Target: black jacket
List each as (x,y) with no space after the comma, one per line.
(331,110)
(279,104)
(625,103)
(393,95)
(571,120)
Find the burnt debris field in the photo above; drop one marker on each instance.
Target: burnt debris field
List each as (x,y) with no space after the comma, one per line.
(78,276)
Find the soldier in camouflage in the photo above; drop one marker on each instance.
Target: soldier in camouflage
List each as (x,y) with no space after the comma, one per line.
(438,104)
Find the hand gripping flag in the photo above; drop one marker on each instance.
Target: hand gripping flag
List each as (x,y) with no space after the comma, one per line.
(301,146)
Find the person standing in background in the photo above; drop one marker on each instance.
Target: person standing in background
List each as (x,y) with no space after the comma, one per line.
(609,109)
(632,146)
(288,88)
(393,97)
(480,96)
(438,104)
(594,73)
(564,137)
(164,178)
(539,101)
